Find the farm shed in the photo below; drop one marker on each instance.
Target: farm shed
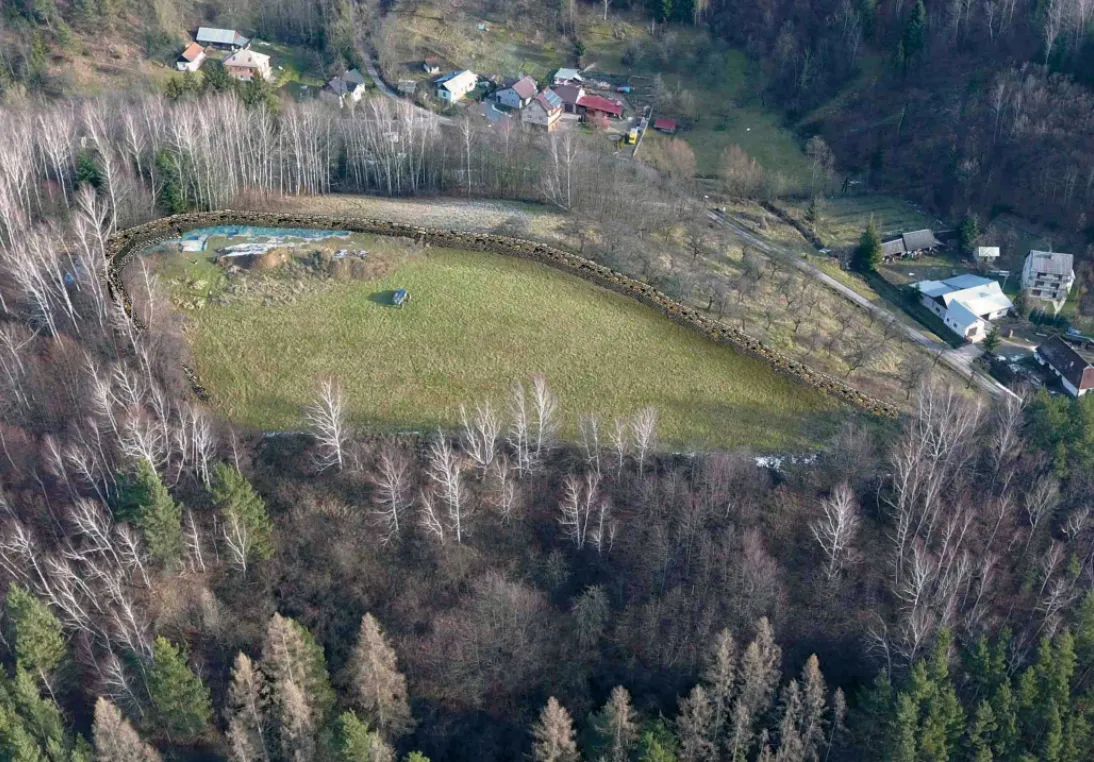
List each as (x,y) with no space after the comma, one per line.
(221,38)
(667,126)
(192,58)
(592,105)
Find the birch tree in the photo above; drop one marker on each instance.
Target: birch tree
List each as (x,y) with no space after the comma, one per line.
(391,498)
(327,418)
(835,530)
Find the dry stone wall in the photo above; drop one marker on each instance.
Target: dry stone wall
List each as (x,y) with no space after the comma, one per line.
(127,243)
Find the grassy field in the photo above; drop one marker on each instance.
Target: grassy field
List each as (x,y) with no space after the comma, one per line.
(843,218)
(476,323)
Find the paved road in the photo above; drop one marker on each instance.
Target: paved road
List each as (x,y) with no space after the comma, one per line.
(960,360)
(370,67)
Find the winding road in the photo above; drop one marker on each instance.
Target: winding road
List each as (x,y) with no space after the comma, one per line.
(959,360)
(374,75)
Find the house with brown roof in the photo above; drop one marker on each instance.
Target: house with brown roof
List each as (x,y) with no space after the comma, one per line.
(246,64)
(1073,369)
(544,111)
(570,95)
(192,58)
(517,95)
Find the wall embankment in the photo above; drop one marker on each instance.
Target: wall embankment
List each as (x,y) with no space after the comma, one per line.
(126,243)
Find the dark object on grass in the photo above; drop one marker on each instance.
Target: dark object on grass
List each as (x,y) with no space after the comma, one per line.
(400,297)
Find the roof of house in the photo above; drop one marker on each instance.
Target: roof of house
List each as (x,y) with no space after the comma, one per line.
(525,88)
(967,293)
(549,100)
(220,36)
(1069,363)
(338,85)
(568,75)
(431,61)
(570,94)
(192,53)
(455,79)
(987,252)
(893,248)
(1051,262)
(919,239)
(248,59)
(600,103)
(354,76)
(664,124)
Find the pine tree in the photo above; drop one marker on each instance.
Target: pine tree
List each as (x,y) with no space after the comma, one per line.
(614,728)
(355,742)
(238,502)
(246,710)
(180,701)
(146,502)
(813,214)
(791,744)
(868,252)
(915,31)
(814,706)
(380,686)
(553,735)
(35,634)
(991,341)
(694,727)
(969,233)
(981,732)
(115,738)
(758,680)
(656,743)
(301,693)
(719,677)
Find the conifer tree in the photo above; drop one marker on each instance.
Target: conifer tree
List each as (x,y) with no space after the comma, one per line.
(241,506)
(146,502)
(355,742)
(115,739)
(246,710)
(694,726)
(380,686)
(614,728)
(180,701)
(35,635)
(868,252)
(553,735)
(718,677)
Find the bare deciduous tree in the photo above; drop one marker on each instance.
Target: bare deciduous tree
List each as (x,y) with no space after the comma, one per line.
(392,484)
(835,530)
(327,418)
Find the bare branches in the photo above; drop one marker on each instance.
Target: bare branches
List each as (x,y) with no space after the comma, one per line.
(392,484)
(644,428)
(480,435)
(835,530)
(327,418)
(447,475)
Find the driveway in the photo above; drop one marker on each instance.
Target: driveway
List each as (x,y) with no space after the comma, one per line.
(959,360)
(374,75)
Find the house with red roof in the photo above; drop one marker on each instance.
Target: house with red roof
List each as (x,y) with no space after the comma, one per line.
(595,105)
(517,95)
(667,126)
(192,58)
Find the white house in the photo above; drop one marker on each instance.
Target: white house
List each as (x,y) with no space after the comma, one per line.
(567,77)
(349,86)
(1048,276)
(967,304)
(987,254)
(245,65)
(192,58)
(452,87)
(518,95)
(1073,369)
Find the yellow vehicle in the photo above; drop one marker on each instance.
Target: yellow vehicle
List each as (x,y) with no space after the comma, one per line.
(631,137)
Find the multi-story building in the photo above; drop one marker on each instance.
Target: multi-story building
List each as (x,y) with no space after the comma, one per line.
(1048,276)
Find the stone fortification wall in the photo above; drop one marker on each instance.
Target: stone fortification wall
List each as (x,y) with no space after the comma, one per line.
(127,243)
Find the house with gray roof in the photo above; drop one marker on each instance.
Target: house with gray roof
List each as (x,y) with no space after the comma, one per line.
(911,244)
(1048,276)
(221,38)
(967,304)
(454,86)
(1075,372)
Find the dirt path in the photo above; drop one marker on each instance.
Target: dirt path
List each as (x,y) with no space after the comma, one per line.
(959,360)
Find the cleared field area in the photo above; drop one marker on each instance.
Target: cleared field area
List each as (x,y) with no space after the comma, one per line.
(843,218)
(476,323)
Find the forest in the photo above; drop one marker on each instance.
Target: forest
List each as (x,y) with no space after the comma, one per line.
(176,587)
(179,588)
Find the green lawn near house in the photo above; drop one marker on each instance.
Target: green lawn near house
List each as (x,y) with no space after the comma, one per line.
(475,324)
